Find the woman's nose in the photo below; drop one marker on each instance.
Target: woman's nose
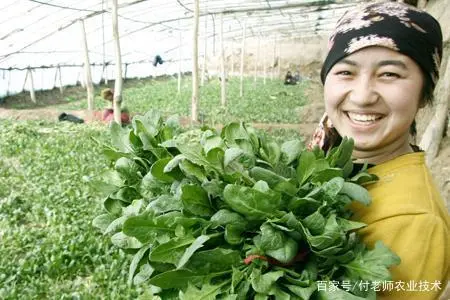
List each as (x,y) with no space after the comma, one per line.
(363,92)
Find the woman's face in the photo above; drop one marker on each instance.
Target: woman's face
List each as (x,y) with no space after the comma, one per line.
(373,96)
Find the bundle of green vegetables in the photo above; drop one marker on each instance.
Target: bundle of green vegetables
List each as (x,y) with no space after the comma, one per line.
(235,215)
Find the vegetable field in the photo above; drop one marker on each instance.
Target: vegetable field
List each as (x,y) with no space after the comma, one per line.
(272,102)
(48,246)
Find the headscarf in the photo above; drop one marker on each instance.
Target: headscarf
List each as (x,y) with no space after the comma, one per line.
(394,25)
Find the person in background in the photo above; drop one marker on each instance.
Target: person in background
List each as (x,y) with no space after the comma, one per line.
(381,68)
(108,113)
(288,79)
(157,60)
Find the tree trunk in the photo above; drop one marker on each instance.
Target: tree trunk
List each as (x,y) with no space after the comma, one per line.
(87,71)
(117,102)
(195,93)
(432,136)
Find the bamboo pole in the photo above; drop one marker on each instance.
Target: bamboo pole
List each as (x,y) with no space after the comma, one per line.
(223,96)
(257,58)
(32,94)
(195,92)
(180,44)
(87,70)
(117,101)
(202,83)
(241,89)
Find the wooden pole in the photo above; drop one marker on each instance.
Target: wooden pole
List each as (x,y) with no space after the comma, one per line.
(87,70)
(104,70)
(117,101)
(272,73)
(202,83)
(241,89)
(223,96)
(264,67)
(9,83)
(214,36)
(180,45)
(195,92)
(279,59)
(32,94)
(105,74)
(25,81)
(61,87)
(257,58)
(58,76)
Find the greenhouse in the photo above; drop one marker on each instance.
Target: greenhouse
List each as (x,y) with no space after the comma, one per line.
(224,149)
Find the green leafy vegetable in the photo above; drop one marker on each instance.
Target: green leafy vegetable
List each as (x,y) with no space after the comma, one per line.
(235,215)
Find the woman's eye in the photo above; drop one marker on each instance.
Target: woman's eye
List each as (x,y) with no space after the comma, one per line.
(343,73)
(390,75)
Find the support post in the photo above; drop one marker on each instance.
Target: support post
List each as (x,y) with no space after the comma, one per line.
(257,58)
(87,70)
(117,101)
(30,77)
(223,96)
(180,45)
(241,89)
(195,91)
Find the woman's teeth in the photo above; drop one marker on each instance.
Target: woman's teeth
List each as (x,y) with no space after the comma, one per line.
(366,118)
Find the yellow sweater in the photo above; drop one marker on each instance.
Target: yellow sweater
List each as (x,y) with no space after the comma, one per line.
(409,216)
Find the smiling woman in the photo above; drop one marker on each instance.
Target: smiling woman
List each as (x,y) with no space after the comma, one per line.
(382,66)
(373,96)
